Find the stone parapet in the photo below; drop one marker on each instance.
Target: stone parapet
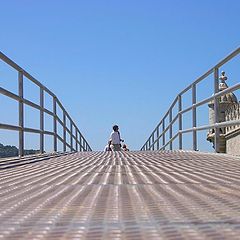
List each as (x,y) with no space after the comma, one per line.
(232,113)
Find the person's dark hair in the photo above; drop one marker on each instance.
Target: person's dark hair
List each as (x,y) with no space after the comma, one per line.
(115,127)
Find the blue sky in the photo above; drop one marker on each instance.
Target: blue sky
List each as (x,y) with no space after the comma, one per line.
(114,62)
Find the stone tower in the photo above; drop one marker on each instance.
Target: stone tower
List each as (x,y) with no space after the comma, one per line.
(224,103)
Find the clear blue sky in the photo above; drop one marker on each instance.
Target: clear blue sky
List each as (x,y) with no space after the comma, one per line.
(116,62)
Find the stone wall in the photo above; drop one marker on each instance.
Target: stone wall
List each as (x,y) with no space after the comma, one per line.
(232,134)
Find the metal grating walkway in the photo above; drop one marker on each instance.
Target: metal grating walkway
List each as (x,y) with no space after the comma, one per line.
(121,195)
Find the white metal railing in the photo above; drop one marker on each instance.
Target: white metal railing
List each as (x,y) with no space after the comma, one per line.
(77,141)
(157,139)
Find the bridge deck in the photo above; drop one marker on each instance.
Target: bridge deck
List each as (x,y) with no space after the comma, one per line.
(121,195)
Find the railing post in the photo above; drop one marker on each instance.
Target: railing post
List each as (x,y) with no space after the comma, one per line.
(76,139)
(194,117)
(64,132)
(216,110)
(81,142)
(170,127)
(163,133)
(20,114)
(42,120)
(158,138)
(71,137)
(55,123)
(153,148)
(84,145)
(180,121)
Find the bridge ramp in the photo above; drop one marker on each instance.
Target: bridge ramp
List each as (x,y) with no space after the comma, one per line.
(121,195)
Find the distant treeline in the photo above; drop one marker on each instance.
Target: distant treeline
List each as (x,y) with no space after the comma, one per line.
(12,151)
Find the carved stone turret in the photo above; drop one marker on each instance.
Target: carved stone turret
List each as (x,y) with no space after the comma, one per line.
(225,102)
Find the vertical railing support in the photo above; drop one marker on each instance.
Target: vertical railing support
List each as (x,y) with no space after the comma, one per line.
(170,128)
(180,121)
(20,114)
(55,123)
(194,117)
(84,145)
(42,120)
(64,132)
(158,138)
(79,144)
(163,134)
(153,148)
(76,139)
(80,140)
(216,110)
(71,135)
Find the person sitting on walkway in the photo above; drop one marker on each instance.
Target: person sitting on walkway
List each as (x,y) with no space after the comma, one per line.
(124,147)
(107,147)
(115,139)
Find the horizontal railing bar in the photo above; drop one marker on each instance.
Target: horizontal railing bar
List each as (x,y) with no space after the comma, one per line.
(25,73)
(32,104)
(31,130)
(17,128)
(166,129)
(60,138)
(48,133)
(65,112)
(207,100)
(165,116)
(9,94)
(229,57)
(216,125)
(170,140)
(226,59)
(48,112)
(68,131)
(25,101)
(60,121)
(9,127)
(68,145)
(170,108)
(10,62)
(174,119)
(61,106)
(31,78)
(197,81)
(67,115)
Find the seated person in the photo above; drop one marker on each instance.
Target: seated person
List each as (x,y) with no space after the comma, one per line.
(107,147)
(124,147)
(115,139)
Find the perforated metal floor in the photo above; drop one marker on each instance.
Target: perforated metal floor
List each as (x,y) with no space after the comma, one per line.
(121,195)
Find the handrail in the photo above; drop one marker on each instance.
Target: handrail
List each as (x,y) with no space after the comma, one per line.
(157,136)
(75,135)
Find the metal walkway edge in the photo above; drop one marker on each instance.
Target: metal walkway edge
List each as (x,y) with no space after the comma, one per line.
(122,195)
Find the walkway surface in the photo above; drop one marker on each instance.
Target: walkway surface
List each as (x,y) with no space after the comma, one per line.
(121,195)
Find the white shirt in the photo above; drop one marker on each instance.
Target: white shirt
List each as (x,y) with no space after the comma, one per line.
(115,138)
